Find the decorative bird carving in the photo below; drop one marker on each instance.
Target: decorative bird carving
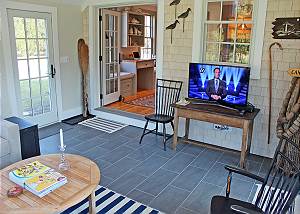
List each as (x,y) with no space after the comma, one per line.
(184,15)
(172,27)
(175,3)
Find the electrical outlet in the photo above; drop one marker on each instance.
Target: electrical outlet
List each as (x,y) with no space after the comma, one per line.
(64,59)
(222,128)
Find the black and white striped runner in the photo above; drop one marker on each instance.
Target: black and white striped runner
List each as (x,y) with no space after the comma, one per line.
(108,201)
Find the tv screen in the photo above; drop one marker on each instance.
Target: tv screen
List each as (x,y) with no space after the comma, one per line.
(229,84)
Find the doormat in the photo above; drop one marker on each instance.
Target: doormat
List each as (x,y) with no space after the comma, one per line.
(108,201)
(104,125)
(147,101)
(77,119)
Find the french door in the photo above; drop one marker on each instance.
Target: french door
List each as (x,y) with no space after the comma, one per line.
(32,49)
(110,60)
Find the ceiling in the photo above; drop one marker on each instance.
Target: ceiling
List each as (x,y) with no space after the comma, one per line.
(74,2)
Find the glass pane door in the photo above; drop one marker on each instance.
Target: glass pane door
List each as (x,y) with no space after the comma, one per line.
(32,39)
(111,48)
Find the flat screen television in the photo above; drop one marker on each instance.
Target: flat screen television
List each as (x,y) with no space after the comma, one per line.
(219,83)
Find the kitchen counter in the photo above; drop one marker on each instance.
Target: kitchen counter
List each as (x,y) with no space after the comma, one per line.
(126,75)
(137,60)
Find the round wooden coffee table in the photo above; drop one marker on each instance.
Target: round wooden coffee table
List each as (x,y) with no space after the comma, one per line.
(83,178)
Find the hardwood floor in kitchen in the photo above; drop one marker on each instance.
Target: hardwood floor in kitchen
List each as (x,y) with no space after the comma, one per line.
(131,108)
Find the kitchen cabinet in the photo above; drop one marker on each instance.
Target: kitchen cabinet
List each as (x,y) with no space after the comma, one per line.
(127,84)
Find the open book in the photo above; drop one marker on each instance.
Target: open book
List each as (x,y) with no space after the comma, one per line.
(37,178)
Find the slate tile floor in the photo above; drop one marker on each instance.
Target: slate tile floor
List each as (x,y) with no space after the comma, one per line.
(181,181)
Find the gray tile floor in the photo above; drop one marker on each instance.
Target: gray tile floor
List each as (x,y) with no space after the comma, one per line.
(181,181)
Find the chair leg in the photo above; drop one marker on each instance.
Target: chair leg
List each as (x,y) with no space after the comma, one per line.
(229,178)
(164,137)
(172,124)
(145,128)
(156,128)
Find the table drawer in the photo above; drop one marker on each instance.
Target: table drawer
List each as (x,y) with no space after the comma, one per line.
(145,64)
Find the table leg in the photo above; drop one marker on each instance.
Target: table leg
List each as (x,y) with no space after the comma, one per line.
(176,121)
(92,203)
(187,128)
(250,137)
(244,144)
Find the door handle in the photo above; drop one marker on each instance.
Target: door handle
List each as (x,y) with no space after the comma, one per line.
(53,71)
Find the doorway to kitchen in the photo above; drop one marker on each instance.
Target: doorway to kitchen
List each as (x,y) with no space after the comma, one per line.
(128,62)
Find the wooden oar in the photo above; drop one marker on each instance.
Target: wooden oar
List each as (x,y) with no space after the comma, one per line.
(83,57)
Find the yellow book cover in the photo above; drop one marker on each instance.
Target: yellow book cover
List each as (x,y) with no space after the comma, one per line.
(45,180)
(30,170)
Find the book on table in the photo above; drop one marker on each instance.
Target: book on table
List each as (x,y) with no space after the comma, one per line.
(37,178)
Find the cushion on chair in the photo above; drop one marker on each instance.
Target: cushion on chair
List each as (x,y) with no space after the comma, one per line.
(159,118)
(221,205)
(4,147)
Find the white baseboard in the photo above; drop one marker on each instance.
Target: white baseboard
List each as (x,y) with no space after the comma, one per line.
(71,113)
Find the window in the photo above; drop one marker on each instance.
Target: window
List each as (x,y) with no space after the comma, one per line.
(148,50)
(228,31)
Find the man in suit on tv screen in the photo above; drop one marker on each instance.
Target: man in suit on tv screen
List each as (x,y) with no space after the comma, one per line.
(216,88)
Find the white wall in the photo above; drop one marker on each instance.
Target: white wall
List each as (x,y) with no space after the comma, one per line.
(178,55)
(3,108)
(69,31)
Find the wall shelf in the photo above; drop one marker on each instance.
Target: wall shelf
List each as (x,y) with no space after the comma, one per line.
(132,31)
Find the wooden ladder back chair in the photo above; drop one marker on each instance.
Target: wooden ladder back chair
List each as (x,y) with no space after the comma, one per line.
(167,93)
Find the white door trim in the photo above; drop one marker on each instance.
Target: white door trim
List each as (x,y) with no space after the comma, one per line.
(8,56)
(93,7)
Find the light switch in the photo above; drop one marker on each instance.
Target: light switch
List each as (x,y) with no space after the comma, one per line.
(64,59)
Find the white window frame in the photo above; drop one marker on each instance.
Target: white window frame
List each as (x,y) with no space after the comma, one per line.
(147,37)
(256,50)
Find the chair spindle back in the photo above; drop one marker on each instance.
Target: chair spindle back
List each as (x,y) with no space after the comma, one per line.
(282,183)
(167,93)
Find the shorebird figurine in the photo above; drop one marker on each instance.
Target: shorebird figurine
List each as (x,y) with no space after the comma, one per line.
(184,15)
(172,27)
(175,3)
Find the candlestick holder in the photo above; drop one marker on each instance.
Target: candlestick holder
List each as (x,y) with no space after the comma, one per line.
(63,165)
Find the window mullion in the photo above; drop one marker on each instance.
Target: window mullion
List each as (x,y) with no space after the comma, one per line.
(235,33)
(234,44)
(39,65)
(27,56)
(221,11)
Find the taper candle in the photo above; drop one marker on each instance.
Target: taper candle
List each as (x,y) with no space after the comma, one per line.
(61,138)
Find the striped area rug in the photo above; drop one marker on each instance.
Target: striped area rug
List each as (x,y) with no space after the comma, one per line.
(108,201)
(103,124)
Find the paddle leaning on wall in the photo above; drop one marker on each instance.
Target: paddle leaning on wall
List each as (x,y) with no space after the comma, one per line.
(83,57)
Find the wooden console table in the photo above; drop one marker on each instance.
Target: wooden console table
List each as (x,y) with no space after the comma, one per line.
(219,115)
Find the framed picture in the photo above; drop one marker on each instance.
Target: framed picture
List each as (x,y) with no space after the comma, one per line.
(286,28)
